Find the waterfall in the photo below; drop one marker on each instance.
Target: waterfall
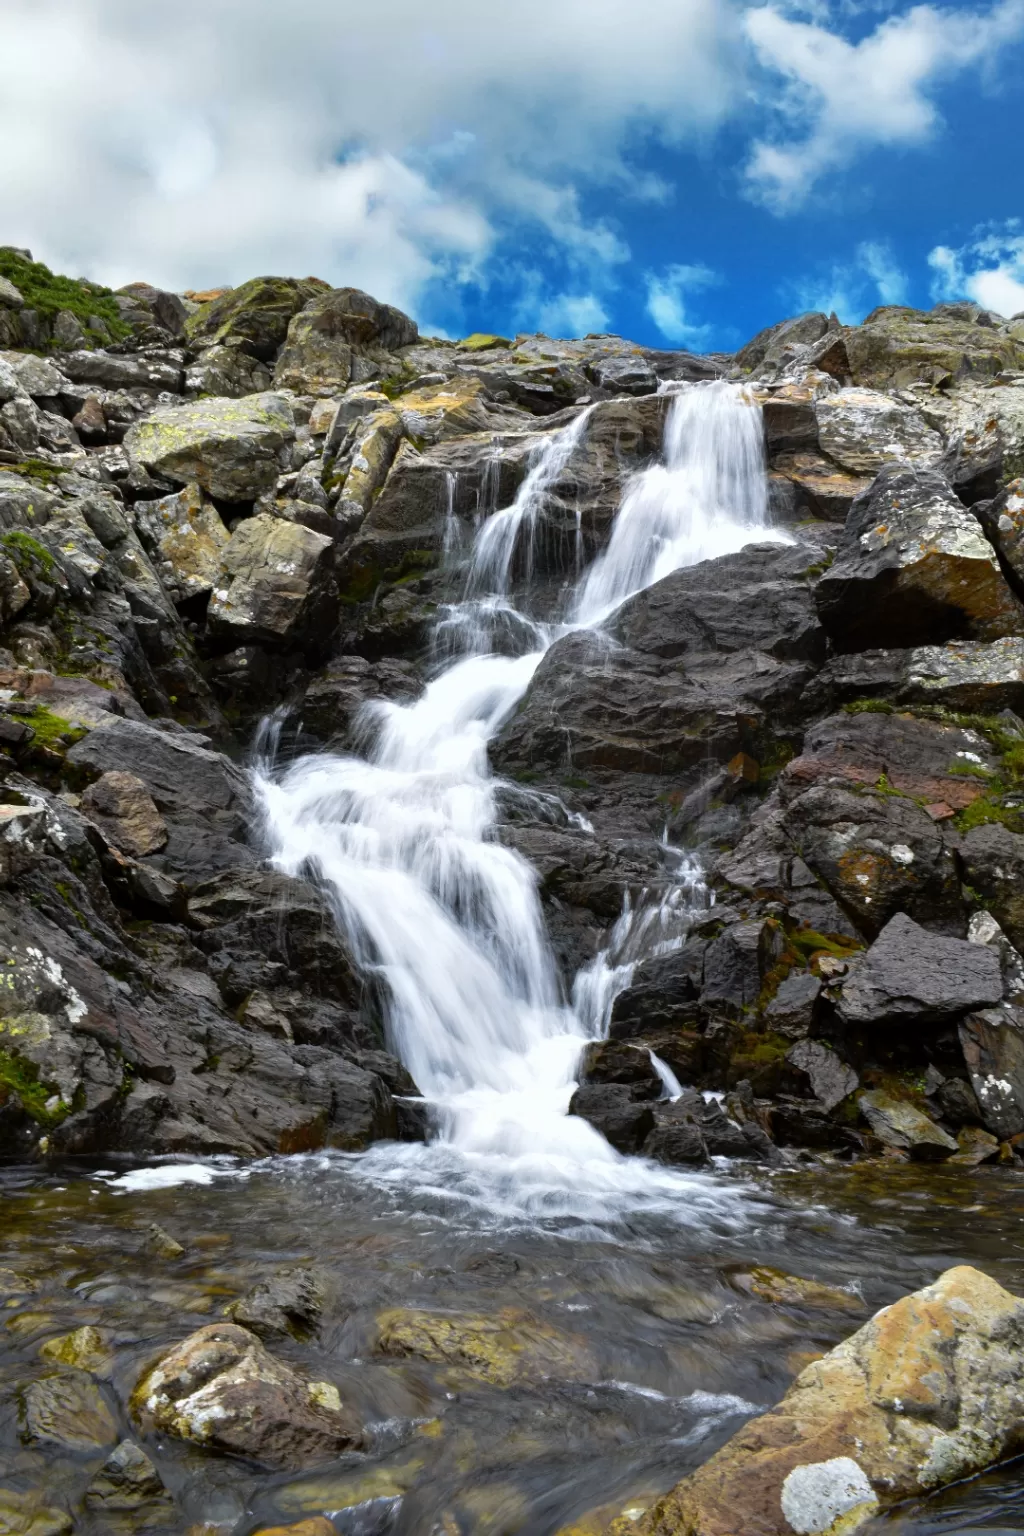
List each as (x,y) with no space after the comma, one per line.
(448,919)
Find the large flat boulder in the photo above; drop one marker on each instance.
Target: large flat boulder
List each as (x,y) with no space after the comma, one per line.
(914,568)
(862,430)
(928,1392)
(913,976)
(230,448)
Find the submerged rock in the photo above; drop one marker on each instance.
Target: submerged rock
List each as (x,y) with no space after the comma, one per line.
(928,1392)
(221,1389)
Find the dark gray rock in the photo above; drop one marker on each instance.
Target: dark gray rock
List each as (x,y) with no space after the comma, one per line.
(791,1010)
(288,1304)
(993,1046)
(993,864)
(910,975)
(617,1061)
(611,1108)
(830,1079)
(737,962)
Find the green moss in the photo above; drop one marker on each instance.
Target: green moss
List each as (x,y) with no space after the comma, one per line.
(31,557)
(869,707)
(480,341)
(53,731)
(48,293)
(987,809)
(40,471)
(21,1078)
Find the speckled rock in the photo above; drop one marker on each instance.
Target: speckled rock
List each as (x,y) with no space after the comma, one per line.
(862,429)
(928,1392)
(229,447)
(221,1389)
(274,584)
(122,807)
(186,537)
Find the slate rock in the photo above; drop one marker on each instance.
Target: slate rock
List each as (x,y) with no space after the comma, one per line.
(624,1120)
(791,1010)
(830,1079)
(912,975)
(914,568)
(898,1123)
(993,1047)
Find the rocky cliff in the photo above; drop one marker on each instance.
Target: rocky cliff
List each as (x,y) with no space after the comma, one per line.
(218,506)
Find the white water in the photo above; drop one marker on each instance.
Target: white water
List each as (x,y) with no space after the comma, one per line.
(449,919)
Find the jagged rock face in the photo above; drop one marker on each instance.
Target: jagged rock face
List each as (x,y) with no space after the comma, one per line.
(229,447)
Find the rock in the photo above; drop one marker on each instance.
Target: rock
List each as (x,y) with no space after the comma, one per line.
(274,585)
(230,448)
(676,1140)
(129,1484)
(509,1347)
(897,1123)
(222,1390)
(926,1393)
(1003,521)
(911,975)
(897,346)
(769,345)
(161,1243)
(993,1047)
(662,995)
(830,1079)
(69,1411)
(287,1304)
(914,568)
(331,708)
(611,1108)
(737,963)
(317,1525)
(122,807)
(791,1010)
(615,1061)
(863,430)
(151,370)
(186,538)
(86,1349)
(786,1290)
(254,318)
(964,675)
(993,863)
(341,337)
(24,1514)
(372,455)
(976,1147)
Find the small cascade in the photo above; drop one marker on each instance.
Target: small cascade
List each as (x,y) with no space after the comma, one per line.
(449,920)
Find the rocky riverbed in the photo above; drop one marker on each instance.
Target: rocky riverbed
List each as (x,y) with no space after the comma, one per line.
(744,898)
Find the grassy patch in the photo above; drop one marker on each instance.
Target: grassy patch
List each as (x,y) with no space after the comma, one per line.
(31,557)
(48,293)
(21,1078)
(52,731)
(39,471)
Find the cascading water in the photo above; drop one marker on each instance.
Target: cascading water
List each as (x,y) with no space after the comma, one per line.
(449,919)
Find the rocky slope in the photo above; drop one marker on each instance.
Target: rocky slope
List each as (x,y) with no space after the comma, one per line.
(210,510)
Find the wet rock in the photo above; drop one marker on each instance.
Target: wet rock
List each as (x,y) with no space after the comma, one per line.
(676,1140)
(786,1290)
(829,1078)
(914,568)
(317,1525)
(911,975)
(926,1393)
(129,1484)
(339,338)
(958,1102)
(186,538)
(122,807)
(508,1347)
(737,962)
(222,1390)
(662,995)
(288,1304)
(274,585)
(898,1123)
(25,1514)
(228,447)
(163,1244)
(993,1047)
(805,1123)
(976,1147)
(86,1349)
(68,1411)
(623,1119)
(331,708)
(993,864)
(616,1061)
(791,1010)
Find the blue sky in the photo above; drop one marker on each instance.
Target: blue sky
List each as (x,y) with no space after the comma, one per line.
(680,171)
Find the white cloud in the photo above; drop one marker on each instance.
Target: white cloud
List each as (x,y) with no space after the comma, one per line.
(384,145)
(851,288)
(667,298)
(572,315)
(843,97)
(989,270)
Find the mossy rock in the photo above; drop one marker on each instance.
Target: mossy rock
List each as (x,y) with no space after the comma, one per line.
(480,341)
(254,317)
(48,293)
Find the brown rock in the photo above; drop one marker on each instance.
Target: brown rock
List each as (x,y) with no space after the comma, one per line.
(319,1525)
(928,1392)
(90,423)
(122,807)
(220,1388)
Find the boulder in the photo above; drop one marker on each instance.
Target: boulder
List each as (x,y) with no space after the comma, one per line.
(69,1411)
(503,1349)
(911,975)
(925,1394)
(966,675)
(898,1123)
(993,863)
(791,1010)
(231,448)
(288,1304)
(993,1047)
(618,1061)
(26,1514)
(862,431)
(897,346)
(737,962)
(339,338)
(150,370)
(1003,521)
(254,318)
(222,1390)
(275,585)
(770,345)
(623,1116)
(122,807)
(186,538)
(830,1079)
(914,568)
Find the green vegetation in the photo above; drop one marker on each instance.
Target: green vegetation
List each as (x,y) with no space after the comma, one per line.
(52,731)
(481,342)
(48,293)
(21,1078)
(41,471)
(30,557)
